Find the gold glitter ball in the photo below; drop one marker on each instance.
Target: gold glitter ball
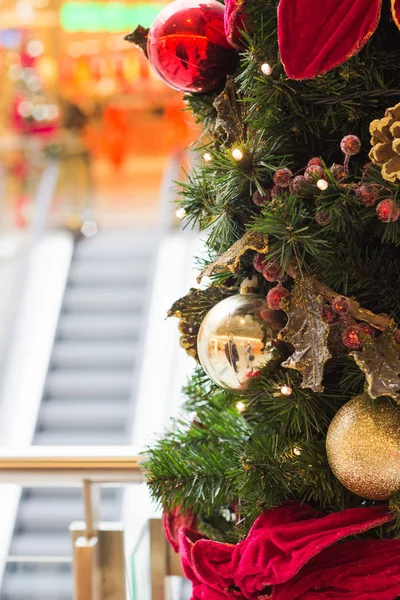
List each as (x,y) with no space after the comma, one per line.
(363,447)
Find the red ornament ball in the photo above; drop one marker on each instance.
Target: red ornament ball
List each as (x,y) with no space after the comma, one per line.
(276,295)
(298,184)
(351,338)
(272,271)
(187,46)
(388,210)
(282,177)
(350,145)
(315,161)
(338,171)
(260,200)
(341,305)
(367,194)
(258,262)
(314,172)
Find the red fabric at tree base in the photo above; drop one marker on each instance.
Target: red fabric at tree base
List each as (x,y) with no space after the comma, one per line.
(291,554)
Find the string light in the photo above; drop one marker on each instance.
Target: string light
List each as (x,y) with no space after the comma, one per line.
(237,154)
(322,184)
(240,406)
(266,69)
(207,157)
(296,451)
(286,390)
(180,213)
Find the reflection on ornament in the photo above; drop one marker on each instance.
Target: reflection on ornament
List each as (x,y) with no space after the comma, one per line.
(363,447)
(40,112)
(266,69)
(237,154)
(322,184)
(207,157)
(187,46)
(24,11)
(14,72)
(34,48)
(25,109)
(234,341)
(240,406)
(46,68)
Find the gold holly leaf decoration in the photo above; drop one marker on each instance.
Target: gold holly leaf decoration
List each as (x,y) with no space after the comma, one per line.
(191,310)
(308,333)
(379,360)
(229,121)
(229,260)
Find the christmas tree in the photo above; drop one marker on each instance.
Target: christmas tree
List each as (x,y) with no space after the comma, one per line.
(283,481)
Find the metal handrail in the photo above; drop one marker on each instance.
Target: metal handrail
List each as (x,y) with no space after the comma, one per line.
(65,465)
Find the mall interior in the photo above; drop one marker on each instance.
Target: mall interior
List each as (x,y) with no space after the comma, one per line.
(92,255)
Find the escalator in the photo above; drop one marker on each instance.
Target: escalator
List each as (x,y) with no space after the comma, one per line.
(89,399)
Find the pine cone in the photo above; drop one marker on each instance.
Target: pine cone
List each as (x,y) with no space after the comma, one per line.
(386,143)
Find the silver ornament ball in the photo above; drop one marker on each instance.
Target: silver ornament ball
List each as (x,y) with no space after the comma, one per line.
(234,341)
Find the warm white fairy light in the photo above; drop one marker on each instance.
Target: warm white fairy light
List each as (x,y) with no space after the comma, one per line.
(322,184)
(296,451)
(286,390)
(240,406)
(207,157)
(180,213)
(266,69)
(237,154)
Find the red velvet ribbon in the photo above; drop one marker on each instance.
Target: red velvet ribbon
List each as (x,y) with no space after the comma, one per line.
(291,553)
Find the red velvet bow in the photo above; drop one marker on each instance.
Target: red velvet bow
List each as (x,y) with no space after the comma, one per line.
(315,37)
(288,555)
(173,522)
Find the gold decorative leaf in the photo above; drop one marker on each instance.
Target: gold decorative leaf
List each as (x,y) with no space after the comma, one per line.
(308,333)
(191,310)
(139,38)
(229,122)
(230,259)
(379,360)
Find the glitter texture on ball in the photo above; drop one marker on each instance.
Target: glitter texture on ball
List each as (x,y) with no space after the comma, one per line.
(363,447)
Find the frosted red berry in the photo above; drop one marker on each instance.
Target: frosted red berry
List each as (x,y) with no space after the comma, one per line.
(258,262)
(272,271)
(328,314)
(338,171)
(276,295)
(277,192)
(351,338)
(298,183)
(341,305)
(388,210)
(282,177)
(260,199)
(350,145)
(314,172)
(367,329)
(322,217)
(367,194)
(315,161)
